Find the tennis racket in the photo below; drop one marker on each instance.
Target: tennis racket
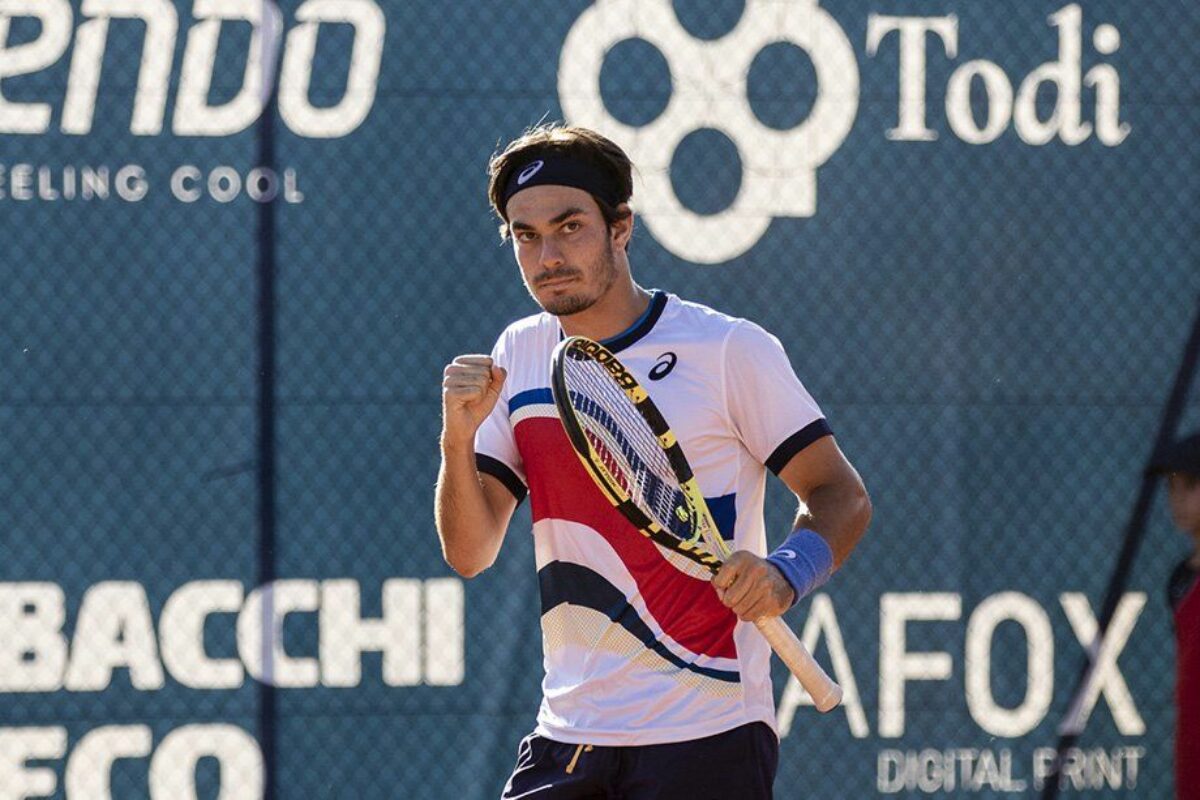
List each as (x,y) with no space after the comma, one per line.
(628,448)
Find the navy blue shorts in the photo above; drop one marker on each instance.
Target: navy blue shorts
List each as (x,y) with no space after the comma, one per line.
(735,765)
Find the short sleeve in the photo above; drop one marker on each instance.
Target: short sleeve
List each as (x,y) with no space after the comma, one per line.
(496,451)
(772,413)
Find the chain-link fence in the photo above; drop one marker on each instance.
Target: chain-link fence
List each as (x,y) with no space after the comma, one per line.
(973,225)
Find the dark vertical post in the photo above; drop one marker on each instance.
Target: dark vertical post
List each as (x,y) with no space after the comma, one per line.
(1135,532)
(266,274)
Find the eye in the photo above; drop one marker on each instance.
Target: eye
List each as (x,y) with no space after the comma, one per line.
(572,226)
(525,236)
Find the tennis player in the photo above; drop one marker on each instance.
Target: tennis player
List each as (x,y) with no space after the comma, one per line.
(655,685)
(1180,463)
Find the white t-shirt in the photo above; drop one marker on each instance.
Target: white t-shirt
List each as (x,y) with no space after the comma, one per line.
(637,651)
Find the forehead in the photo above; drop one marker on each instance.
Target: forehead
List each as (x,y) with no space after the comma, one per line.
(540,204)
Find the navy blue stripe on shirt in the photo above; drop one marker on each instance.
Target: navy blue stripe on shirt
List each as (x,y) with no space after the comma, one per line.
(724,513)
(644,324)
(797,442)
(530,397)
(501,472)
(562,582)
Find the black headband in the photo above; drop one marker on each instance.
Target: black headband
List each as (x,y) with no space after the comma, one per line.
(559,170)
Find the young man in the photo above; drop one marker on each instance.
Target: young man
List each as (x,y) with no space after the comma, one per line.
(653,687)
(1180,462)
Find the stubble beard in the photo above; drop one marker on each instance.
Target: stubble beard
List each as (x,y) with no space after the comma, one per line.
(566,305)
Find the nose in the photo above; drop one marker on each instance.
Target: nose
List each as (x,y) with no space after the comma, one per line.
(551,256)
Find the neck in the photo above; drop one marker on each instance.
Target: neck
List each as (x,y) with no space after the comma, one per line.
(619,308)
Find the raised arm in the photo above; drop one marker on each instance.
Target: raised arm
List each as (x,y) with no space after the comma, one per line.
(471,509)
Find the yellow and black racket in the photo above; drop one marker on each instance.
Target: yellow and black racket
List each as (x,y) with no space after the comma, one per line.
(628,448)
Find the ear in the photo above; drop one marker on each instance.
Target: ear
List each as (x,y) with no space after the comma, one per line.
(622,229)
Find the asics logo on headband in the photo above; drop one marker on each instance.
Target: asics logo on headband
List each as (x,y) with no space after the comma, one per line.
(778,166)
(529,172)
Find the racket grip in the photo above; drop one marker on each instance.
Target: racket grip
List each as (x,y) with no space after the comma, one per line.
(825,693)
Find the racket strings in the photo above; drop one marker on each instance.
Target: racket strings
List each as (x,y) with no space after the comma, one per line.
(626,446)
(635,470)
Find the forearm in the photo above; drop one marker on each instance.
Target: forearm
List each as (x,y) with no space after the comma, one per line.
(467,525)
(840,511)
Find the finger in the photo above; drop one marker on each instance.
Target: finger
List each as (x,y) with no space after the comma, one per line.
(757,603)
(496,380)
(741,570)
(466,380)
(473,360)
(469,370)
(740,606)
(466,394)
(743,591)
(725,576)
(752,612)
(463,394)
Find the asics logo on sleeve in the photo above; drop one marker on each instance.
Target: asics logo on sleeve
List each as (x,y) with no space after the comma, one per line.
(666,363)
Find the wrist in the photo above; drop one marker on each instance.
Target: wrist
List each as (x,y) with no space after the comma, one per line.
(453,443)
(805,561)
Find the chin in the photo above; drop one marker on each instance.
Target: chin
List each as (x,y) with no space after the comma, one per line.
(566,306)
(563,304)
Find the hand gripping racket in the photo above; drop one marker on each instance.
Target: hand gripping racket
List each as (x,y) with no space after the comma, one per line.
(628,448)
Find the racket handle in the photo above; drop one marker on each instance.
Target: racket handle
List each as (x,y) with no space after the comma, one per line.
(825,693)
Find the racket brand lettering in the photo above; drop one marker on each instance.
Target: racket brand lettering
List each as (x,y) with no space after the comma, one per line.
(193,115)
(615,368)
(710,89)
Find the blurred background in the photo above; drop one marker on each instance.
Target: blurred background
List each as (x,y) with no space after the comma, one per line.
(974,225)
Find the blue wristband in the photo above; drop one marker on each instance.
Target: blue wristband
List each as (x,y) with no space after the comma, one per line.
(805,561)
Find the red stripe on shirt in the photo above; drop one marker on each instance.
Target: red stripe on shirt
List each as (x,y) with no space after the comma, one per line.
(686,608)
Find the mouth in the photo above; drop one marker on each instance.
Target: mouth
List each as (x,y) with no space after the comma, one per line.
(555,283)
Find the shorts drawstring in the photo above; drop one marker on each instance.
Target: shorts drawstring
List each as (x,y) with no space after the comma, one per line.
(583,748)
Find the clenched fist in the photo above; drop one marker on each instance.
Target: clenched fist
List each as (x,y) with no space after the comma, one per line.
(752,587)
(470,387)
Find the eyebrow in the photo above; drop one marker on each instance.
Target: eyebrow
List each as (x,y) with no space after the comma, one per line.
(517,225)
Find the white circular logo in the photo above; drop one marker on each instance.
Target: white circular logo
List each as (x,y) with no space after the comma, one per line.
(709,91)
(529,172)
